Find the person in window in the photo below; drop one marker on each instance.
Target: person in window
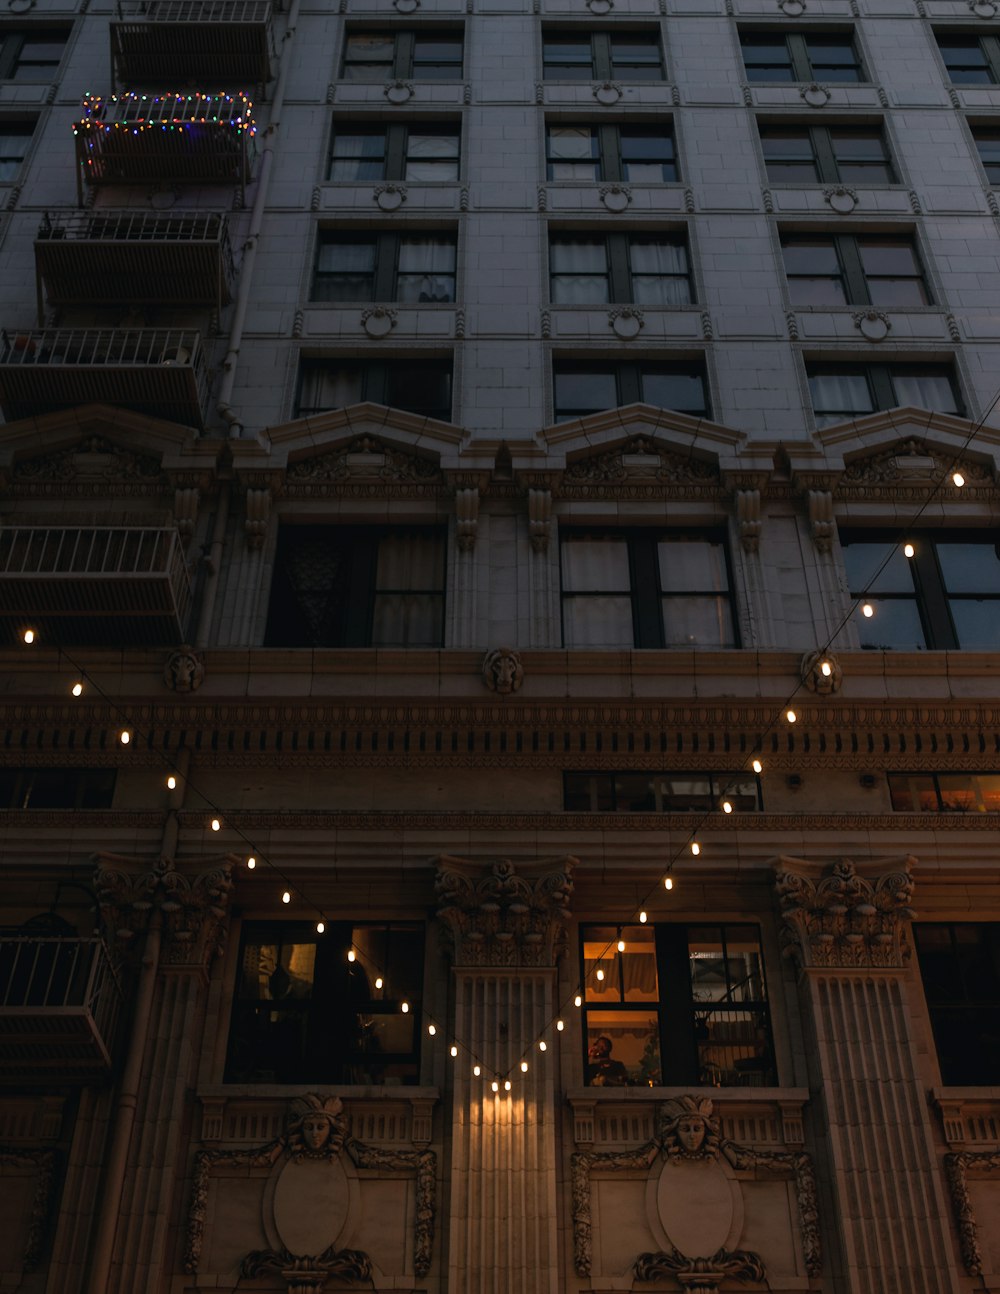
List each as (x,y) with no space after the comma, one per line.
(603,1071)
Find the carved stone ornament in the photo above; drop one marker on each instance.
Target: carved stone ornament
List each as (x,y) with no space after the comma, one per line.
(792,8)
(364,461)
(309,1202)
(615,197)
(821,522)
(748,519)
(822,681)
(193,907)
(41,1164)
(600,7)
(539,519)
(389,197)
(982,1164)
(640,459)
(607,93)
(93,463)
(626,322)
(406,6)
(691,1149)
(20,6)
(466,517)
(872,324)
(184,670)
(983,8)
(912,462)
(837,917)
(502,670)
(502,917)
(186,500)
(398,91)
(815,95)
(841,199)
(379,321)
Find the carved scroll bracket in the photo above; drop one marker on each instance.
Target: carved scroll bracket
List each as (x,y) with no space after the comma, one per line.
(539,519)
(466,517)
(821,523)
(748,519)
(257,516)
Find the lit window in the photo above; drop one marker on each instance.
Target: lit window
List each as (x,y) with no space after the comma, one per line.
(672,792)
(825,154)
(636,154)
(417,152)
(775,56)
(388,55)
(588,269)
(853,269)
(417,385)
(582,387)
(945,792)
(843,391)
(960,967)
(601,56)
(410,267)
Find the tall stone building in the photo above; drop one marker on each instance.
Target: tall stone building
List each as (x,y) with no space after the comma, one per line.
(500,598)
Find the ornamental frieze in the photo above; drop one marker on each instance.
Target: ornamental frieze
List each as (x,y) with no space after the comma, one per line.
(365,467)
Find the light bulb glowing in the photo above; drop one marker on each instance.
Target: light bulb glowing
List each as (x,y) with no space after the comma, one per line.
(251,863)
(524,1066)
(695,849)
(621,945)
(454,1051)
(216,824)
(560,1025)
(825,668)
(757,766)
(432,1029)
(908,550)
(477,1070)
(791,716)
(542,1045)
(77,689)
(286,897)
(643,918)
(378,981)
(320,927)
(124,736)
(171,783)
(351,955)
(958,479)
(867,610)
(578,1000)
(726,807)
(506,1085)
(600,973)
(28,637)
(404,1007)
(495,1085)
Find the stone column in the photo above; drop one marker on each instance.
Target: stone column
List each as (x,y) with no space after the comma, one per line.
(847,925)
(508,930)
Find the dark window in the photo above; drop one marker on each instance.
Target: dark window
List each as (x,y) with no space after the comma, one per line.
(638,154)
(842,391)
(960,968)
(415,152)
(679,1005)
(582,387)
(404,267)
(417,385)
(646,588)
(971,59)
(988,146)
(825,154)
(304,1012)
(601,56)
(946,595)
(853,269)
(800,56)
(672,792)
(57,788)
(357,586)
(386,55)
(31,54)
(945,792)
(15,136)
(591,269)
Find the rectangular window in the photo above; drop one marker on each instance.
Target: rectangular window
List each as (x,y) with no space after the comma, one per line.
(601,56)
(416,385)
(842,391)
(594,269)
(776,56)
(971,59)
(960,967)
(673,792)
(57,788)
(357,586)
(584,387)
(646,588)
(987,142)
(674,1005)
(407,267)
(31,54)
(946,596)
(417,152)
(417,55)
(304,1012)
(825,154)
(636,154)
(853,269)
(945,792)
(15,136)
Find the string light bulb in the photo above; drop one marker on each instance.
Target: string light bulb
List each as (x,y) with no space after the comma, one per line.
(28,637)
(286,897)
(757,766)
(578,1000)
(727,806)
(643,918)
(171,783)
(695,849)
(668,883)
(378,981)
(320,927)
(524,1066)
(825,668)
(454,1051)
(621,944)
(124,736)
(477,1070)
(495,1085)
(542,1045)
(351,955)
(560,1025)
(791,716)
(251,863)
(506,1085)
(216,824)
(908,550)
(77,689)
(432,1029)
(404,1006)
(957,479)
(867,610)
(600,973)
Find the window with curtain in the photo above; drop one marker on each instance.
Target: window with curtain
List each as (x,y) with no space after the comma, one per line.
(945,792)
(853,269)
(387,54)
(589,269)
(960,968)
(668,1005)
(412,151)
(417,385)
(581,387)
(645,588)
(842,391)
(634,153)
(405,267)
(569,55)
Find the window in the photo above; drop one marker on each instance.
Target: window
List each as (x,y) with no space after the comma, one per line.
(304,1012)
(357,586)
(637,154)
(31,54)
(946,595)
(971,59)
(57,788)
(594,269)
(825,154)
(601,56)
(681,1005)
(800,56)
(945,792)
(417,385)
(583,387)
(419,151)
(960,968)
(387,55)
(15,136)
(853,269)
(987,142)
(671,792)
(384,267)
(841,391)
(645,588)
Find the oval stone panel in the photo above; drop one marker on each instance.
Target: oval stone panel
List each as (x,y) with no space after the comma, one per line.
(695,1202)
(311,1200)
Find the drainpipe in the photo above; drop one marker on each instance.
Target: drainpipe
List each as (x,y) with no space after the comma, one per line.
(213,563)
(224,407)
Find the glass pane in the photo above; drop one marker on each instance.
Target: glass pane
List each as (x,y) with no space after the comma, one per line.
(578,256)
(588,793)
(925,389)
(912,793)
(969,568)
(691,564)
(623,1049)
(862,560)
(977,623)
(894,626)
(277,972)
(697,622)
(897,292)
(600,964)
(635,793)
(595,564)
(685,793)
(840,393)
(597,622)
(683,392)
(888,258)
(638,964)
(639,145)
(578,392)
(651,290)
(572,142)
(989,791)
(811,256)
(407,620)
(420,388)
(805,291)
(959,793)
(408,560)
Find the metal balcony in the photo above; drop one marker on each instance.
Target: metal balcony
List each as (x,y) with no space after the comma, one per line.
(134,258)
(59,1005)
(202,42)
(156,371)
(114,585)
(134,138)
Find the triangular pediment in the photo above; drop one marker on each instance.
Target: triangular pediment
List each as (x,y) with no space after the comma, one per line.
(672,434)
(327,431)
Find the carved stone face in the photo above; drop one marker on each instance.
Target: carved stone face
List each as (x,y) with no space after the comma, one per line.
(315,1131)
(691,1133)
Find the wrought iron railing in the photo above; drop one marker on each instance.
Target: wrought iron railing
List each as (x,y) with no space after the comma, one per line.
(195,11)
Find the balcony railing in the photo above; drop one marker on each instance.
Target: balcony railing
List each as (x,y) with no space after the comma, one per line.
(134,258)
(108,584)
(59,1005)
(206,42)
(134,138)
(156,371)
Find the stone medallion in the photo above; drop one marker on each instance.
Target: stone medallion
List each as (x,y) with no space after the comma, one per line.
(310,1205)
(697,1205)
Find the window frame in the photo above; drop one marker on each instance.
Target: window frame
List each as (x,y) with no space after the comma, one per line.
(629,375)
(620,276)
(609,161)
(16,128)
(19,785)
(12,42)
(879,376)
(824,157)
(385,272)
(800,62)
(396,136)
(721,787)
(971,1065)
(989,47)
(601,65)
(405,63)
(853,276)
(375,380)
(979,130)
(934,778)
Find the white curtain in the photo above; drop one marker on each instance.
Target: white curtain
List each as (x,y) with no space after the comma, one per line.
(426,270)
(579,272)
